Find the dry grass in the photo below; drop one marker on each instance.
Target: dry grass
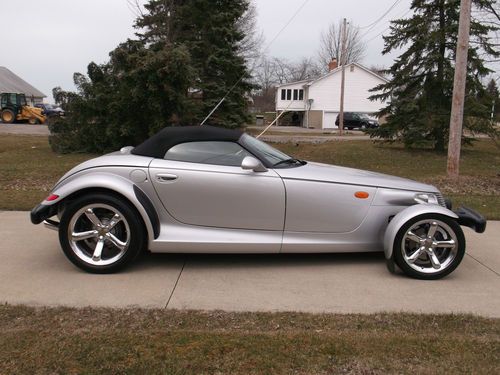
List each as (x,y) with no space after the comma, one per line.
(67,341)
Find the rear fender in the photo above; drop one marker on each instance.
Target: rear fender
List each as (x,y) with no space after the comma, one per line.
(407,214)
(99,180)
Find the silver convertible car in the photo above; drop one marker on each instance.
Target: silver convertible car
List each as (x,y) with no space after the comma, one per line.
(203,189)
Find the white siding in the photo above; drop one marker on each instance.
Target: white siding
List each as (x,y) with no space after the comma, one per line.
(290,105)
(326,91)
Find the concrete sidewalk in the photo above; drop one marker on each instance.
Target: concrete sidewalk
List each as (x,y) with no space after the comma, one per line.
(34,271)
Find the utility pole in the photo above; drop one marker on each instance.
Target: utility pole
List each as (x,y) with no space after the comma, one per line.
(342,83)
(457,106)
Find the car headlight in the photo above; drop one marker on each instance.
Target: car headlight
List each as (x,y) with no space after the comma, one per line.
(426,198)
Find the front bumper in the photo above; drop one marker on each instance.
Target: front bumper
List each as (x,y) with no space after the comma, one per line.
(471,218)
(42,212)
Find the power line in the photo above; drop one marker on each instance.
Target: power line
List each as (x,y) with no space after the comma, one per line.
(371,25)
(387,28)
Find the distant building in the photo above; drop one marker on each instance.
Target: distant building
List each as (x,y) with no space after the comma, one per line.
(10,82)
(316,103)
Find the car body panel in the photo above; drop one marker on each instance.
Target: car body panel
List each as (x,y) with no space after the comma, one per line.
(338,211)
(219,196)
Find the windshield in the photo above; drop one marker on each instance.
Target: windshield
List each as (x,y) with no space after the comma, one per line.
(269,155)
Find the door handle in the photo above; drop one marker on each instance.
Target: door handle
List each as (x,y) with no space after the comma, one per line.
(164,177)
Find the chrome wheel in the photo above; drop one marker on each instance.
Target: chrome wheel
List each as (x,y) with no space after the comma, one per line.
(429,246)
(99,234)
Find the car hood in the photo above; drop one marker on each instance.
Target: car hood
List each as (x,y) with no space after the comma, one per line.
(343,175)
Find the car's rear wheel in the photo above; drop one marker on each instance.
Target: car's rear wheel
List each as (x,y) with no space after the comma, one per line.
(100,233)
(429,246)
(8,116)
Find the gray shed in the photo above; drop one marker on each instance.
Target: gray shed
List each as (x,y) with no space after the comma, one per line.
(10,82)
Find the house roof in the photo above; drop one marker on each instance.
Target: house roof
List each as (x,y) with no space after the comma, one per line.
(10,82)
(310,82)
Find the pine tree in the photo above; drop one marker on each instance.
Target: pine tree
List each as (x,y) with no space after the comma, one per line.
(185,59)
(419,94)
(209,31)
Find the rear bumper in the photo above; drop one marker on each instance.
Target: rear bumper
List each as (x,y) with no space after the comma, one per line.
(471,218)
(42,212)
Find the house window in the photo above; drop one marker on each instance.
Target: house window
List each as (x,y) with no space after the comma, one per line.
(301,94)
(289,94)
(283,94)
(295,94)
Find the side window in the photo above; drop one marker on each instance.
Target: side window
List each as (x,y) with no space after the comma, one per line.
(218,153)
(283,94)
(301,94)
(295,94)
(289,94)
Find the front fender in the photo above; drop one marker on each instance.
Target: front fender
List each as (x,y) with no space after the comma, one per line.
(407,214)
(102,180)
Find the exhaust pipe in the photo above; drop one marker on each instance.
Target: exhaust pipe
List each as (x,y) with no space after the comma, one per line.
(51,224)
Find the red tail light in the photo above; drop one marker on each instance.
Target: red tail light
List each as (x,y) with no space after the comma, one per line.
(52,197)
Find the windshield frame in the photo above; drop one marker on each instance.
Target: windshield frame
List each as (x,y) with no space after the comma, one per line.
(267,154)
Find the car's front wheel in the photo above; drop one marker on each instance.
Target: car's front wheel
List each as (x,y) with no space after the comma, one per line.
(100,233)
(429,246)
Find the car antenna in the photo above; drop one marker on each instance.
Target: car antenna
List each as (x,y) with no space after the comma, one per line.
(276,119)
(254,65)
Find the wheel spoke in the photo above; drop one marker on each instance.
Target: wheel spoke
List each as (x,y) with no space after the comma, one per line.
(114,220)
(432,230)
(78,236)
(93,218)
(446,244)
(412,236)
(116,241)
(98,250)
(413,257)
(436,264)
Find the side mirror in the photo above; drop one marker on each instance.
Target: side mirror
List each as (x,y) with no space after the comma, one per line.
(250,163)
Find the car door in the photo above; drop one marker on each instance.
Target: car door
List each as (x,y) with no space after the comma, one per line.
(202,183)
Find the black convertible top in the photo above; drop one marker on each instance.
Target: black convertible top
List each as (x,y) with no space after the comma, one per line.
(158,145)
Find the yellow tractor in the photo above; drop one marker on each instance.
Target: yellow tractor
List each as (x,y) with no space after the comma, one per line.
(13,107)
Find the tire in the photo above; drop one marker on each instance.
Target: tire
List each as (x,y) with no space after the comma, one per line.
(33,121)
(8,116)
(104,246)
(443,230)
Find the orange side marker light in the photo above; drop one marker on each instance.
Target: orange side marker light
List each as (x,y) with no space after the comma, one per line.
(361,194)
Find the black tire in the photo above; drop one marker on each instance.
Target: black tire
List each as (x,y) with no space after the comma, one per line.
(33,121)
(8,116)
(460,248)
(132,223)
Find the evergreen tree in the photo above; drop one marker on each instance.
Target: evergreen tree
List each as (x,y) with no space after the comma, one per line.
(210,31)
(419,93)
(185,59)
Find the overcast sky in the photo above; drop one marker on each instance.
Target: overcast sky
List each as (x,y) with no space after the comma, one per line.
(59,37)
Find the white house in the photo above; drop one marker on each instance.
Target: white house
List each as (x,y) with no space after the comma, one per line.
(317,102)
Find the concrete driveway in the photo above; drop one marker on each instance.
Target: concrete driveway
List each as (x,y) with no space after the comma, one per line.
(24,129)
(34,271)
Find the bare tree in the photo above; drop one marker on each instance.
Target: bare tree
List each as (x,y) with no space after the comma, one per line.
(331,45)
(251,45)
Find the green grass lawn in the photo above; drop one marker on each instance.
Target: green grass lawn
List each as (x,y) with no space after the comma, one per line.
(71,341)
(28,168)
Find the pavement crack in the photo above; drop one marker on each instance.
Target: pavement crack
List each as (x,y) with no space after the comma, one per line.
(176,282)
(484,265)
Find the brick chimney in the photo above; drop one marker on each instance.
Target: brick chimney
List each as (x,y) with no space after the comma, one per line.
(332,65)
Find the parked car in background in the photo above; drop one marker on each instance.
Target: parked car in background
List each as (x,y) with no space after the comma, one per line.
(354,120)
(50,110)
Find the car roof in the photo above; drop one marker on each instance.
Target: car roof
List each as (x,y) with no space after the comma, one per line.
(158,145)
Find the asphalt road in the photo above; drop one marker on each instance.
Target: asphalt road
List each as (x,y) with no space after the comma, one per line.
(24,129)
(34,271)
